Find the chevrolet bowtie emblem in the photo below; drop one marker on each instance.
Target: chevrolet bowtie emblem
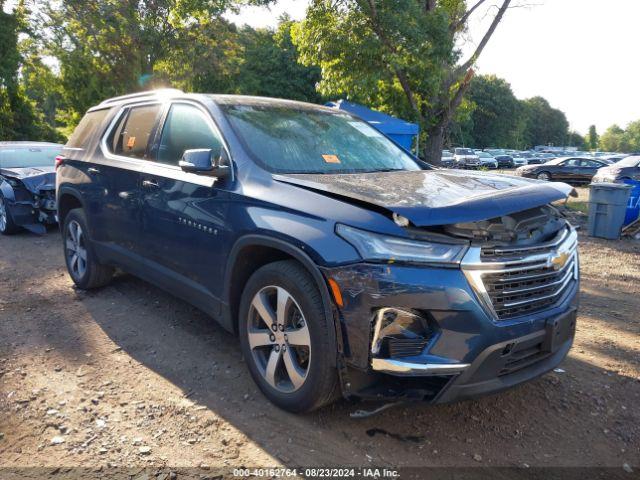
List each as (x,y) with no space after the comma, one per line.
(559,261)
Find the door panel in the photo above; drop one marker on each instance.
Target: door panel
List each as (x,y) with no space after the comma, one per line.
(183,224)
(184,215)
(127,153)
(570,171)
(588,169)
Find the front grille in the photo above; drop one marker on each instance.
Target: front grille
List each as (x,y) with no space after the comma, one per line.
(518,281)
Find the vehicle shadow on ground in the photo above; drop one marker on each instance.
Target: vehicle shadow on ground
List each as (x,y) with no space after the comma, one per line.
(534,423)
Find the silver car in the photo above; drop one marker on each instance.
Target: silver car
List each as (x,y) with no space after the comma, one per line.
(466,158)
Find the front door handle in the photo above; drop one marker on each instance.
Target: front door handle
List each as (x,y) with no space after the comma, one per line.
(150,184)
(93,171)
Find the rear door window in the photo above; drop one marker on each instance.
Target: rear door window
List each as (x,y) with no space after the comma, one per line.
(86,128)
(134,131)
(186,128)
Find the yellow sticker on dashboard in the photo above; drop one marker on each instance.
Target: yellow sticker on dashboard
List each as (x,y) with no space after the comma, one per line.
(131,142)
(331,158)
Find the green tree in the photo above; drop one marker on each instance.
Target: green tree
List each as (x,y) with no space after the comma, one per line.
(613,140)
(495,113)
(576,140)
(544,125)
(632,137)
(400,56)
(111,47)
(270,65)
(592,138)
(19,117)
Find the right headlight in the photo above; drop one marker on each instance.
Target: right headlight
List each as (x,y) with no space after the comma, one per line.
(376,247)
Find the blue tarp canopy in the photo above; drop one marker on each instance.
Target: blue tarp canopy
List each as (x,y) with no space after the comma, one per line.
(400,131)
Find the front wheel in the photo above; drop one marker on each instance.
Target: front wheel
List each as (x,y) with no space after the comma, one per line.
(286,339)
(7,226)
(82,263)
(546,176)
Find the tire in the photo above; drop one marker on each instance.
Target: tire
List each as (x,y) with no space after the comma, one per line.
(7,225)
(297,375)
(87,272)
(546,176)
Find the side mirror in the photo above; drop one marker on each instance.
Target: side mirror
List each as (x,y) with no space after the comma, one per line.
(222,165)
(205,160)
(197,160)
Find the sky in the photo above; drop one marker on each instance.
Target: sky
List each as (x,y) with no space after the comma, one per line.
(581,55)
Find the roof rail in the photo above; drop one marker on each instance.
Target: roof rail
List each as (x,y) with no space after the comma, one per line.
(148,93)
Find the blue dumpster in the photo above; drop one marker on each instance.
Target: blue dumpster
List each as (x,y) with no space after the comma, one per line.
(402,132)
(607,209)
(633,207)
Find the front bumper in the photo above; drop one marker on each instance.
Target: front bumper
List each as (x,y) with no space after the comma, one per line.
(34,214)
(469,351)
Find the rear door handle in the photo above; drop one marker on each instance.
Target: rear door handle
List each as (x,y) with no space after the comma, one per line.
(93,171)
(150,184)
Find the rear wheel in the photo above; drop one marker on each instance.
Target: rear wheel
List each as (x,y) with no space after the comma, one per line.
(286,338)
(546,176)
(7,225)
(82,263)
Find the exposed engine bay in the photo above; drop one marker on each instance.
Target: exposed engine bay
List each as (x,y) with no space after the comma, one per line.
(527,227)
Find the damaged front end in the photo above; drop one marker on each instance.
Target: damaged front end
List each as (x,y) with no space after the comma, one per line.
(500,312)
(29,196)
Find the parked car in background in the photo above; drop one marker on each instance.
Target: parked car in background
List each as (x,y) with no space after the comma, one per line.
(547,156)
(487,160)
(27,186)
(504,161)
(564,169)
(625,169)
(613,158)
(342,263)
(532,158)
(519,160)
(495,151)
(466,158)
(447,160)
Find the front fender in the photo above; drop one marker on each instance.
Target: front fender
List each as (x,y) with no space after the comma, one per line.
(7,191)
(253,240)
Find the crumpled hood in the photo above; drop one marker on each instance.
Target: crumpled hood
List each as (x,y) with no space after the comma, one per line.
(436,197)
(33,178)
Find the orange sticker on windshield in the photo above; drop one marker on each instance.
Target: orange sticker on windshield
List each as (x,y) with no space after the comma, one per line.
(331,158)
(131,142)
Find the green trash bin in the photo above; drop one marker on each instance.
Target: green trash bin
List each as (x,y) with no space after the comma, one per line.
(607,209)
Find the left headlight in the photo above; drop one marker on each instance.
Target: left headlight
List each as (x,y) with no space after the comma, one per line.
(383,248)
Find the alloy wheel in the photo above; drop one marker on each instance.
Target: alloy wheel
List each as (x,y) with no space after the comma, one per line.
(76,250)
(3,215)
(279,339)
(544,176)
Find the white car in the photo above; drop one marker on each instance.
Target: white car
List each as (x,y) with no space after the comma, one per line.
(519,161)
(447,159)
(487,160)
(466,158)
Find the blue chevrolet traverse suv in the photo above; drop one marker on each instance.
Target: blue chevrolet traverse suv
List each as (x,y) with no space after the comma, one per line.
(344,264)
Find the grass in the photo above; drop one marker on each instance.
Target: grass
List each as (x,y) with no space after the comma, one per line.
(579,206)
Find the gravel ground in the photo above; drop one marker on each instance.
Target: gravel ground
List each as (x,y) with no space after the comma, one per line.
(130,376)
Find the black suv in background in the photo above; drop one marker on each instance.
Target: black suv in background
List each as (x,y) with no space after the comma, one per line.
(343,264)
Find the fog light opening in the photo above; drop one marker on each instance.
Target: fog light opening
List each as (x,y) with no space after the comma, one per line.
(399,333)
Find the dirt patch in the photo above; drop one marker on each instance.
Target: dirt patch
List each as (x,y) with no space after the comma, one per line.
(130,376)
